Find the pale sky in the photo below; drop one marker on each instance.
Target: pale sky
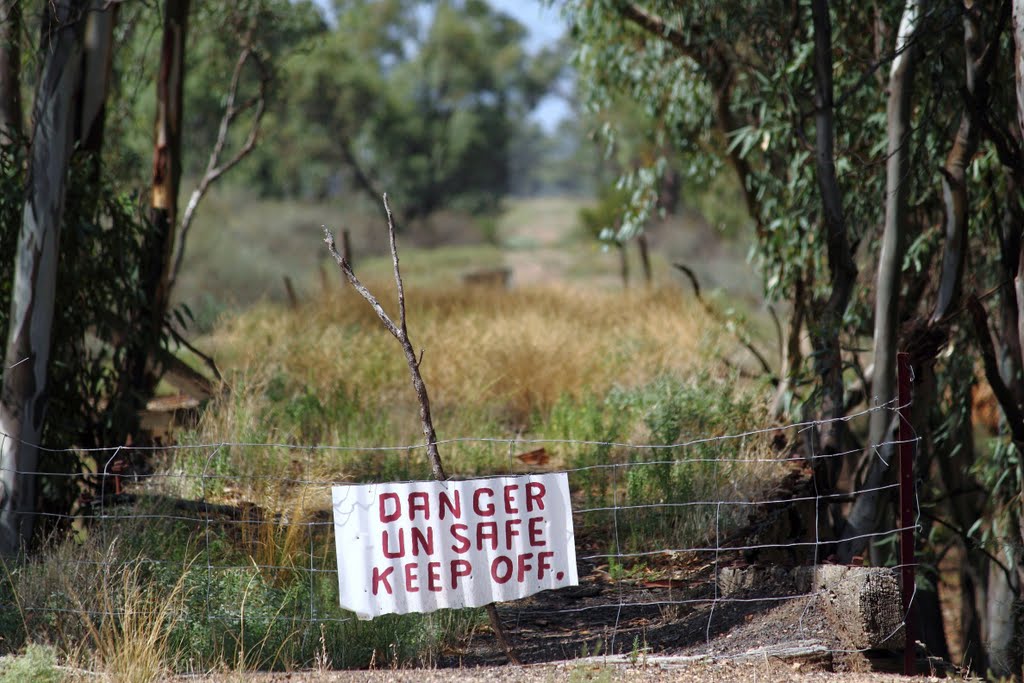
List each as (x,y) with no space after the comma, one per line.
(546,26)
(544,22)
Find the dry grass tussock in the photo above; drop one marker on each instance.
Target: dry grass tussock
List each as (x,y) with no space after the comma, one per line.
(516,351)
(117,616)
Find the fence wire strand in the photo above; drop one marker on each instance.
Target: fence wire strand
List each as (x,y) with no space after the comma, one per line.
(627,514)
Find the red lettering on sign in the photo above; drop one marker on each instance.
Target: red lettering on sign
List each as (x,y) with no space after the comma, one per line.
(381,578)
(542,562)
(536,531)
(487,531)
(510,531)
(392,554)
(462,543)
(535,495)
(487,510)
(434,577)
(419,501)
(460,568)
(396,507)
(524,566)
(510,499)
(411,578)
(501,575)
(420,542)
(453,504)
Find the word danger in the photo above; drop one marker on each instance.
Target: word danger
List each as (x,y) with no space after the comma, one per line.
(421,546)
(461,537)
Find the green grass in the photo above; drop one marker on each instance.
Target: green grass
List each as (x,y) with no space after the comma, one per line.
(37,664)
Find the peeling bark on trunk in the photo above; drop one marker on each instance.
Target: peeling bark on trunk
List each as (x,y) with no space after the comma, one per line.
(10,71)
(167,150)
(164,209)
(863,516)
(954,180)
(24,390)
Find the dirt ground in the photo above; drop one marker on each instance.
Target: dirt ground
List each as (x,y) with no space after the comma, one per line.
(587,671)
(605,631)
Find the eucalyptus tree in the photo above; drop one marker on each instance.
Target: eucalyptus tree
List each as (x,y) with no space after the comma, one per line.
(30,325)
(82,270)
(923,192)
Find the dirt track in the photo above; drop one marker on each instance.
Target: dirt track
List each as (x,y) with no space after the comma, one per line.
(584,671)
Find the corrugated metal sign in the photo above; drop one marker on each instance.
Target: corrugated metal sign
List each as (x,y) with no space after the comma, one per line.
(421,546)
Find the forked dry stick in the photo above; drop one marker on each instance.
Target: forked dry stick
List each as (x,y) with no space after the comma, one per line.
(401,333)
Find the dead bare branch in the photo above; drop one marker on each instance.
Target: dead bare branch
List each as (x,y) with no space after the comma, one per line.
(215,168)
(398,331)
(718,317)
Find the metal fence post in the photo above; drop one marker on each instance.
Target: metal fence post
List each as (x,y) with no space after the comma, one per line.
(907,504)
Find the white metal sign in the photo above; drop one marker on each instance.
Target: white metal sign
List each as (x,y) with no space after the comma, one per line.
(421,546)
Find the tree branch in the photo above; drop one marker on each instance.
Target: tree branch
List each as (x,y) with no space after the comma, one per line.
(978,67)
(710,310)
(656,25)
(214,167)
(719,72)
(1014,417)
(398,331)
(401,333)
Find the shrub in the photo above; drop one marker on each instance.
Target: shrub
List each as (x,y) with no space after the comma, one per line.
(38,664)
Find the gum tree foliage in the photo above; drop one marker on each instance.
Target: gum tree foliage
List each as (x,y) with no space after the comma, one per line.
(103,234)
(421,98)
(752,88)
(216,34)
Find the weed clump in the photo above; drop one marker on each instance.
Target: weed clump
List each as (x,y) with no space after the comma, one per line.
(37,664)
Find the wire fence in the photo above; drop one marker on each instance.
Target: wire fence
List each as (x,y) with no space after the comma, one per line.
(231,544)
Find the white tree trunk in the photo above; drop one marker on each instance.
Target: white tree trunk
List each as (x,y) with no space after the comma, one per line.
(863,517)
(890,262)
(97,63)
(24,390)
